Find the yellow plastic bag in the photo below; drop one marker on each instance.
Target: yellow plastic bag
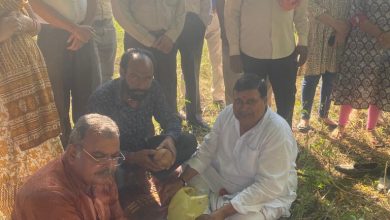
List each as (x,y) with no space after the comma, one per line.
(187,204)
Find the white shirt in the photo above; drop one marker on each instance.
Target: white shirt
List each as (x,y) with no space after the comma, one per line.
(202,8)
(258,168)
(263,30)
(103,10)
(74,10)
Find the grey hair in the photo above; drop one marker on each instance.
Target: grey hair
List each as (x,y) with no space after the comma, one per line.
(96,123)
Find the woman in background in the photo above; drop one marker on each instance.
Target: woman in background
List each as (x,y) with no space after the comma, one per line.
(364,79)
(29,126)
(328,30)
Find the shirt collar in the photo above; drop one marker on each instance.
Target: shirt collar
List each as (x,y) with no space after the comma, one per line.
(255,128)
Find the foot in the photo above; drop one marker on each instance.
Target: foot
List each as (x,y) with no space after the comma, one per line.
(338,133)
(303,126)
(328,122)
(373,138)
(198,122)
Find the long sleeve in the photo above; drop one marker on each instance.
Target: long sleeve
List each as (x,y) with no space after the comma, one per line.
(206,151)
(232,16)
(273,178)
(177,25)
(301,22)
(168,121)
(122,14)
(205,12)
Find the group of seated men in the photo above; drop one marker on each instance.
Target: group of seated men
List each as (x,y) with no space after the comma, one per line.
(246,162)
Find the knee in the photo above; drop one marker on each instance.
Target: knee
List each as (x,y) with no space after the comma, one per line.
(187,141)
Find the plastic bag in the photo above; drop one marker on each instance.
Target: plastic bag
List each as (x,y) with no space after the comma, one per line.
(187,204)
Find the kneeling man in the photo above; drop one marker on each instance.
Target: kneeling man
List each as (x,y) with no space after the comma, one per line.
(247,161)
(80,184)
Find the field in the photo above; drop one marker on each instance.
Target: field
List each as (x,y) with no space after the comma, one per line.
(323,192)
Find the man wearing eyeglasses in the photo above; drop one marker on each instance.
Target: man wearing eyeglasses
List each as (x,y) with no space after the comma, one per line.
(246,163)
(132,101)
(80,184)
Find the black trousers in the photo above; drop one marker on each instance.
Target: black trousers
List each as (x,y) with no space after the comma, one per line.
(282,74)
(165,69)
(73,74)
(190,45)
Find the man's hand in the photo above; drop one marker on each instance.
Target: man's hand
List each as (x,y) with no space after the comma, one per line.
(83,32)
(236,63)
(212,216)
(301,54)
(144,158)
(165,156)
(8,26)
(74,43)
(169,189)
(164,44)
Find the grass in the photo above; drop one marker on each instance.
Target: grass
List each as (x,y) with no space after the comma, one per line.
(323,192)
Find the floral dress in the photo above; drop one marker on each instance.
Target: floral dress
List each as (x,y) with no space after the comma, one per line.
(364,77)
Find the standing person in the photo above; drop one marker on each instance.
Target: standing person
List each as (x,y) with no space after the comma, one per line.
(327,33)
(29,125)
(70,54)
(105,38)
(262,41)
(190,45)
(154,25)
(364,78)
(214,44)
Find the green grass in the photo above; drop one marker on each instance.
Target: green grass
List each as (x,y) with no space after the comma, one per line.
(323,193)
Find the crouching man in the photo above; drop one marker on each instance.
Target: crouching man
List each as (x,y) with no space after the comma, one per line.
(80,184)
(247,161)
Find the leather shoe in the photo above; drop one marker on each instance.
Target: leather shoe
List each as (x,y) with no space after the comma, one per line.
(359,169)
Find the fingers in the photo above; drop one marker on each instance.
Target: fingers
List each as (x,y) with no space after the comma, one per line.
(75,44)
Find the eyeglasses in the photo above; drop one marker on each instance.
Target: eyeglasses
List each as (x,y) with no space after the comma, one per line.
(107,159)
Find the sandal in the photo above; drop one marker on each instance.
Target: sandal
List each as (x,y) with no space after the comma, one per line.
(303,126)
(373,139)
(338,133)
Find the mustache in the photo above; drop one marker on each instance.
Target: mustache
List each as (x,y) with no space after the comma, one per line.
(107,172)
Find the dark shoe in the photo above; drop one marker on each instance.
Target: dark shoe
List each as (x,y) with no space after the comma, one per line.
(329,123)
(359,169)
(198,122)
(303,126)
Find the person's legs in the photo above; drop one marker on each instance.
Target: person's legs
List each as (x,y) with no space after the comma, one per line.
(283,77)
(53,43)
(190,44)
(345,111)
(106,44)
(256,66)
(326,91)
(309,85)
(86,77)
(229,76)
(214,44)
(372,119)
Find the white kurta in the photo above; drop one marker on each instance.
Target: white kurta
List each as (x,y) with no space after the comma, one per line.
(257,168)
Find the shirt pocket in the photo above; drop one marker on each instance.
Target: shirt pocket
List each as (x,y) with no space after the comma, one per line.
(247,160)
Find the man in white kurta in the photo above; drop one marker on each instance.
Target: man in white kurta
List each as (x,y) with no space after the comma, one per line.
(249,170)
